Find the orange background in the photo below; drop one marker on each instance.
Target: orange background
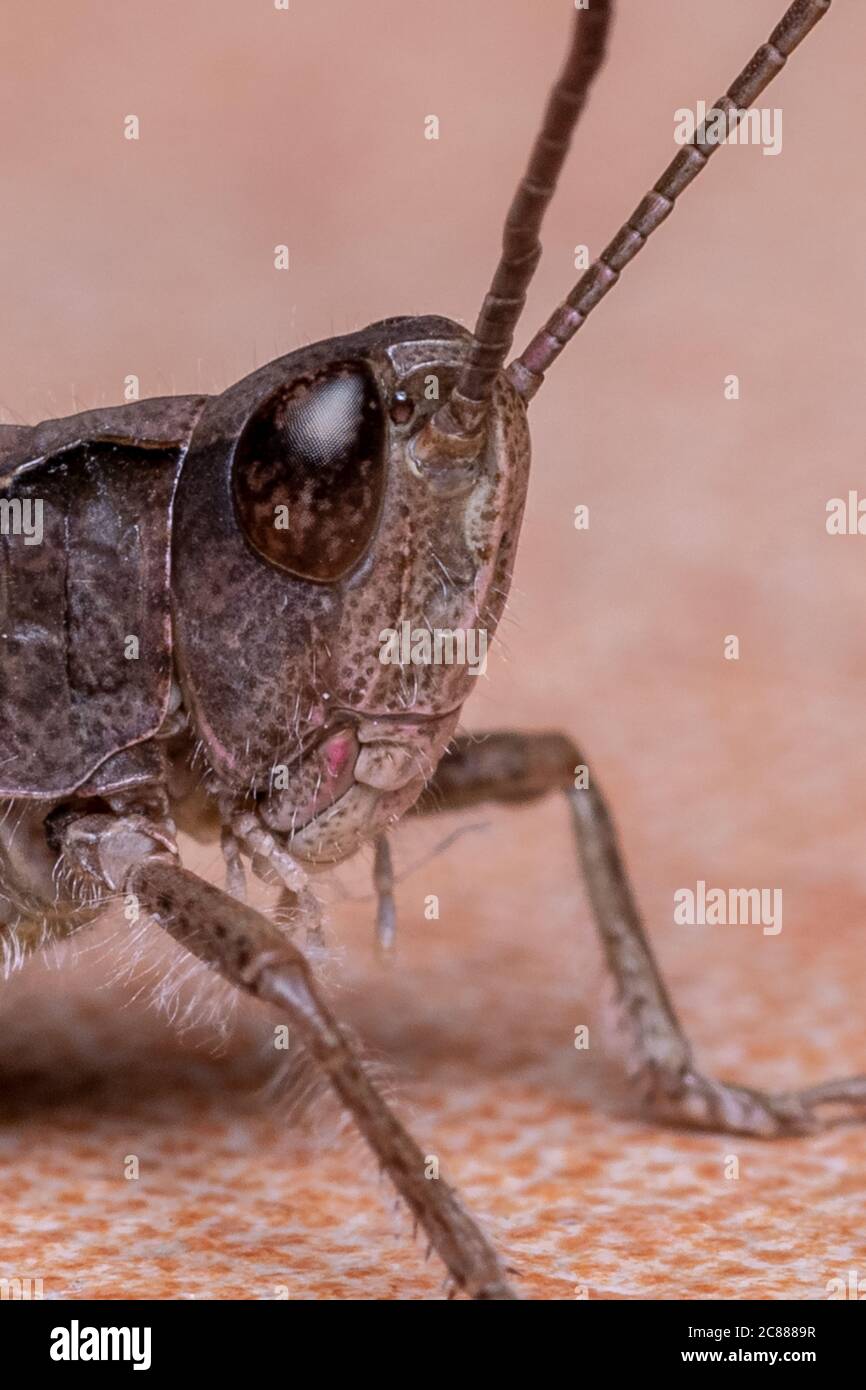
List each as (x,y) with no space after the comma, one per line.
(707,519)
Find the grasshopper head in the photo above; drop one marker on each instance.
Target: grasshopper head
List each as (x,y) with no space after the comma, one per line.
(336,590)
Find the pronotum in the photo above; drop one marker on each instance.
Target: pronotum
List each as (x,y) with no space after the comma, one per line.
(255,546)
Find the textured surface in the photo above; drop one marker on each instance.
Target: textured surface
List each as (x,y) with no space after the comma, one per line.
(707,519)
(72,689)
(238,1196)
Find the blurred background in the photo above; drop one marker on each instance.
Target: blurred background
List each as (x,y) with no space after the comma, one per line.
(707,519)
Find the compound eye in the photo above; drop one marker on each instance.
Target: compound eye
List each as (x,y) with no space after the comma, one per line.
(309,473)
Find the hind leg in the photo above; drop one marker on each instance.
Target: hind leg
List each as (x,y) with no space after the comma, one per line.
(514,768)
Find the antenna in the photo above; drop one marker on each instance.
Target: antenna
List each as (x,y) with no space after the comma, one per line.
(527,371)
(456,430)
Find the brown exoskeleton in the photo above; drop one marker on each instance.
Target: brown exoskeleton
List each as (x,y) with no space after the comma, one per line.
(211,586)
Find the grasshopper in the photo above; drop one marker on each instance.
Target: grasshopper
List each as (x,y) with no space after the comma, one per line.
(194,595)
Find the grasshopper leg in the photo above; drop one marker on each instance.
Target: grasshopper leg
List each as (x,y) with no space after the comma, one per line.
(131,856)
(386,914)
(514,768)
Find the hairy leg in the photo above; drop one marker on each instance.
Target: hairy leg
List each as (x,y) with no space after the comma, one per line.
(131,856)
(516,767)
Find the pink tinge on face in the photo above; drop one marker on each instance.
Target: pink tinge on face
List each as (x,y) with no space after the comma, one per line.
(320,779)
(337,752)
(378,755)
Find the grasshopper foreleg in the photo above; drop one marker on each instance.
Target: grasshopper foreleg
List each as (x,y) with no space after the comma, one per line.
(131,856)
